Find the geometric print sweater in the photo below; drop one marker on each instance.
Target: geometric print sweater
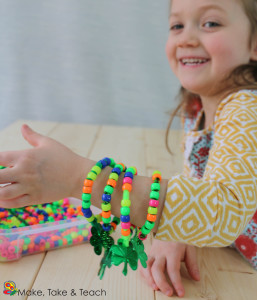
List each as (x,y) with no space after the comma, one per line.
(213,203)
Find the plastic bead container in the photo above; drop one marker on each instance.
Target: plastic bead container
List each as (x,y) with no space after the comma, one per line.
(20,241)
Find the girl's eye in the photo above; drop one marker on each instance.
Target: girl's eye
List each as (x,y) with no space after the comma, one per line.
(211,24)
(176,27)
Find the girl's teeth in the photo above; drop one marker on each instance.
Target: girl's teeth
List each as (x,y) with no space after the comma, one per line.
(193,61)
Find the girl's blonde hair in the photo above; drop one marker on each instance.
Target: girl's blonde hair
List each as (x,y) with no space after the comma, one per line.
(242,77)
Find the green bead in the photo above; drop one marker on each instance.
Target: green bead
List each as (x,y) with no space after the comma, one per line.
(125,240)
(119,166)
(156,172)
(97,170)
(86,204)
(149,225)
(91,175)
(132,170)
(114,176)
(99,164)
(27,240)
(125,195)
(145,230)
(86,197)
(152,210)
(108,189)
(74,235)
(112,164)
(155,187)
(154,195)
(91,219)
(60,243)
(106,206)
(125,211)
(106,220)
(125,202)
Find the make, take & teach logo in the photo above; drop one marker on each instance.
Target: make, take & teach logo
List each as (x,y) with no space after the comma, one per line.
(10,288)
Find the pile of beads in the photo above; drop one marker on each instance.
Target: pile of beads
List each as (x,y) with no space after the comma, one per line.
(38,214)
(55,225)
(33,239)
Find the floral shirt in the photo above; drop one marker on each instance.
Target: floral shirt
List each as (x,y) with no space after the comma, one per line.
(217,192)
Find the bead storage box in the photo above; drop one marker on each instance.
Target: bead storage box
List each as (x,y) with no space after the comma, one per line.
(40,228)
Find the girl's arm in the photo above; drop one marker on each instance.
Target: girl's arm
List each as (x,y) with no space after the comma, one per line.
(214,210)
(50,171)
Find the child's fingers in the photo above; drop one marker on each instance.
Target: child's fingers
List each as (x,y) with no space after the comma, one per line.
(11,191)
(191,263)
(7,159)
(158,272)
(147,274)
(8,175)
(20,201)
(32,137)
(175,277)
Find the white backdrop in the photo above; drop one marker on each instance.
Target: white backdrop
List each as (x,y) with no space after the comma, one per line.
(86,61)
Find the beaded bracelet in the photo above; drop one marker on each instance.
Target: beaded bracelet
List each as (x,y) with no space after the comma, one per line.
(100,238)
(106,197)
(153,205)
(87,188)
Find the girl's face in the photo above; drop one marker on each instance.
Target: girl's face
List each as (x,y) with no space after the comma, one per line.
(207,40)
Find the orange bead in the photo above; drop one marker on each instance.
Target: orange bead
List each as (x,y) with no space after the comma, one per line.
(122,166)
(156,175)
(87,189)
(106,214)
(88,182)
(112,182)
(64,241)
(80,238)
(125,232)
(70,211)
(151,218)
(114,225)
(127,186)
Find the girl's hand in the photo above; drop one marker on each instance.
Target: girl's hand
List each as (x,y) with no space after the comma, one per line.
(165,258)
(48,172)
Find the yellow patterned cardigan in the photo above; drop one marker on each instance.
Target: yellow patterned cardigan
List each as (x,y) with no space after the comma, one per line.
(214,210)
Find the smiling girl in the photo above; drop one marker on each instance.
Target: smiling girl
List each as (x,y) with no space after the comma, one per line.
(212,49)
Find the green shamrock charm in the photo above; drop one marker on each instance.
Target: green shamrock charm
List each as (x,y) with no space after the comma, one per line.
(140,250)
(124,254)
(100,239)
(105,262)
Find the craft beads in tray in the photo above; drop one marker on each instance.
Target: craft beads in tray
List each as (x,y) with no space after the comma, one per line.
(39,228)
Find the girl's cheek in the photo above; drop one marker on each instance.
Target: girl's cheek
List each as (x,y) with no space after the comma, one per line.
(169,49)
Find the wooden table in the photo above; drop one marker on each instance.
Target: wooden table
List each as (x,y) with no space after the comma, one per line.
(224,274)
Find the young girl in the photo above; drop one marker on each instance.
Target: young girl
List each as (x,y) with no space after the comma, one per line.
(212,49)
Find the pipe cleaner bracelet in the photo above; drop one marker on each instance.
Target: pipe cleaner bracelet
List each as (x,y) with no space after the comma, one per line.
(153,206)
(124,251)
(99,237)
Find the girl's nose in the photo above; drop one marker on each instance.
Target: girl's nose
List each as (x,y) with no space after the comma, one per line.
(188,38)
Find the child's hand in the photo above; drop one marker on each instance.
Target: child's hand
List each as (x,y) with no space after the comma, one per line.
(45,173)
(165,258)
